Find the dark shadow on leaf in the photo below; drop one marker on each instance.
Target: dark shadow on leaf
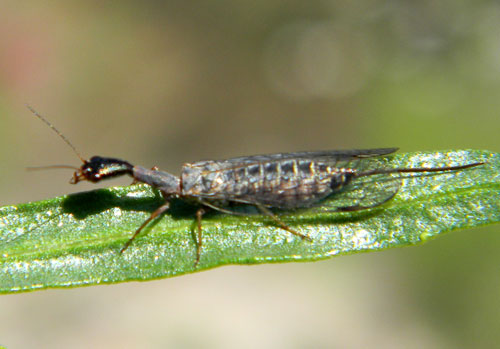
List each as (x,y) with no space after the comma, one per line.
(82,205)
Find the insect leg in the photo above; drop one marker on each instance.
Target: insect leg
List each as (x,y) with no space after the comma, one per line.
(282,224)
(262,209)
(199,215)
(223,210)
(159,211)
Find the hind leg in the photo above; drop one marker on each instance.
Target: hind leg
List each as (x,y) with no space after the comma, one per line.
(263,210)
(278,221)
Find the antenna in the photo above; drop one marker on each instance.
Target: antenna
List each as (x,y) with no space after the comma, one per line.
(36,168)
(55,130)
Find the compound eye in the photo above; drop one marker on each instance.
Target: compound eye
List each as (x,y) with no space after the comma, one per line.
(87,172)
(90,173)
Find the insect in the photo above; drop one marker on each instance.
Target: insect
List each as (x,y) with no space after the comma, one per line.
(333,181)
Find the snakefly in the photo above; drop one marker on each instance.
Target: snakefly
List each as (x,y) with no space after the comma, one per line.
(334,181)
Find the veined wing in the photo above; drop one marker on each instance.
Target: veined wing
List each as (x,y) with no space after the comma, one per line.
(362,193)
(332,157)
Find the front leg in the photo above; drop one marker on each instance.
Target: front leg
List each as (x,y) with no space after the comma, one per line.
(158,212)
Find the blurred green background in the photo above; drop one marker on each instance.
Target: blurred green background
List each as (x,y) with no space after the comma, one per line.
(167,82)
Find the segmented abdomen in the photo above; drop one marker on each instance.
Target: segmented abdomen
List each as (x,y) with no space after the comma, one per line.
(286,183)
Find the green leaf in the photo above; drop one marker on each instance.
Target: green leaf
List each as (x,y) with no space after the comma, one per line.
(75,240)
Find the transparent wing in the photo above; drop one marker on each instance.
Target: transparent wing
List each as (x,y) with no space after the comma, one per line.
(330,157)
(363,193)
(334,155)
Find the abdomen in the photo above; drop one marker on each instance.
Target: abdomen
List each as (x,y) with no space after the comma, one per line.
(280,183)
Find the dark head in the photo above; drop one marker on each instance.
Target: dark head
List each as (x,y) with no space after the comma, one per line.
(99,168)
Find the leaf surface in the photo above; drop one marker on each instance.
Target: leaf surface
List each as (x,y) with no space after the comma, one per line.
(75,240)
